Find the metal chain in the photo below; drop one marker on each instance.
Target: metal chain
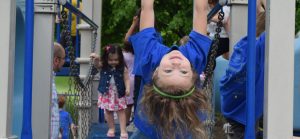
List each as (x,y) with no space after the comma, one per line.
(209,122)
(207,85)
(72,94)
(86,95)
(211,63)
(79,91)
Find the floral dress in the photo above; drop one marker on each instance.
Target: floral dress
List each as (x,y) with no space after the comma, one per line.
(110,100)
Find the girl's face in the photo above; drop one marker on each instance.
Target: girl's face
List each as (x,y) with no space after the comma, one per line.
(175,69)
(113,60)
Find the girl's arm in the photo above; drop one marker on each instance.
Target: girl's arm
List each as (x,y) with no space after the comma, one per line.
(132,29)
(73,130)
(199,17)
(260,6)
(126,81)
(147,14)
(97,61)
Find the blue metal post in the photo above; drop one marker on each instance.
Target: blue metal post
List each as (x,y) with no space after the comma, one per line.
(250,124)
(29,17)
(58,24)
(70,20)
(81,15)
(77,32)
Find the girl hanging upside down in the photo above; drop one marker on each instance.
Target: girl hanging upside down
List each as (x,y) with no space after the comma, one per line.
(170,104)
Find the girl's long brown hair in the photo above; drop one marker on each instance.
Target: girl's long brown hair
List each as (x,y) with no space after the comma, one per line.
(175,117)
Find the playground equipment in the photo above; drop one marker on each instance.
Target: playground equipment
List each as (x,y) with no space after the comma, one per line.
(297,88)
(278,60)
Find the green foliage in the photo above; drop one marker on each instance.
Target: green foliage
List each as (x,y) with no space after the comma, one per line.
(116,19)
(297,22)
(173,19)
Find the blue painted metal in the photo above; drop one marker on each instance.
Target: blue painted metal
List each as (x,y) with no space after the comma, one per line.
(250,123)
(297,87)
(101,118)
(58,24)
(70,20)
(19,71)
(99,130)
(77,33)
(28,66)
(81,15)
(214,11)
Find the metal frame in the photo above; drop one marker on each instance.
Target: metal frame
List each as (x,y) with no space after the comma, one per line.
(251,66)
(92,9)
(238,24)
(279,62)
(7,53)
(238,2)
(80,14)
(97,16)
(42,67)
(279,69)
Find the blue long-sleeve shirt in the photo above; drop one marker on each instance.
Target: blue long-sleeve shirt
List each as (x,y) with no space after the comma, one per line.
(149,51)
(233,83)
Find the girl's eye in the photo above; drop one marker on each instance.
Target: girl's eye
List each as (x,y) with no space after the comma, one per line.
(184,72)
(167,71)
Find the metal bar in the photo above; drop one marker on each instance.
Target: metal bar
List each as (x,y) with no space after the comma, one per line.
(77,12)
(7,53)
(97,15)
(251,65)
(58,24)
(279,69)
(42,68)
(28,67)
(237,2)
(238,24)
(70,21)
(216,9)
(77,32)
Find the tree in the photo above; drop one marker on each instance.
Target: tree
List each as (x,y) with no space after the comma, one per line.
(297,22)
(173,19)
(171,23)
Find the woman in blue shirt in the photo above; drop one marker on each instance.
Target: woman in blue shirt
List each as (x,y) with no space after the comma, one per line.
(170,103)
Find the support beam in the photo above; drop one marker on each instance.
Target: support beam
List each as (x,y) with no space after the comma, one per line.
(97,16)
(279,71)
(238,22)
(93,10)
(42,67)
(7,53)
(87,39)
(84,109)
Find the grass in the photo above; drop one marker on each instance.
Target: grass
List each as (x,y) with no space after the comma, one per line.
(62,84)
(62,87)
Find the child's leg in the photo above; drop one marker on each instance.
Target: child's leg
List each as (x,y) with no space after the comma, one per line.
(122,119)
(128,113)
(110,121)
